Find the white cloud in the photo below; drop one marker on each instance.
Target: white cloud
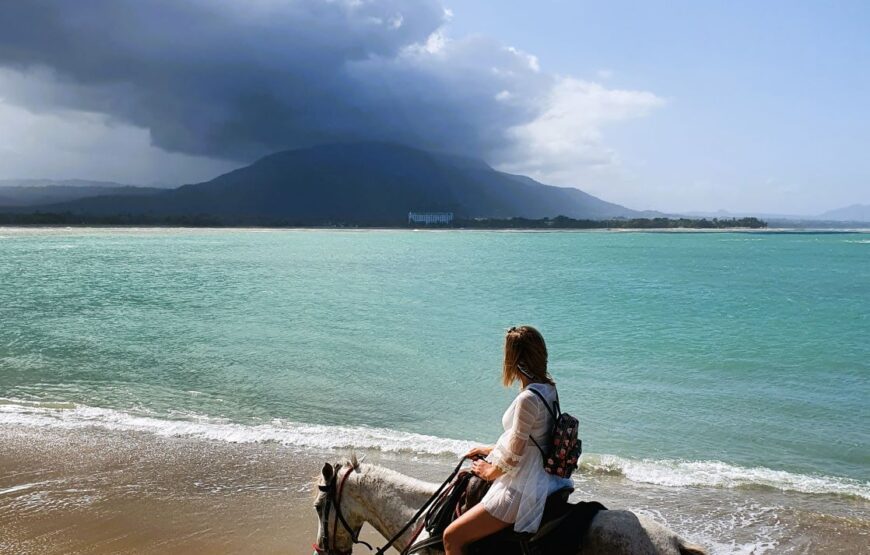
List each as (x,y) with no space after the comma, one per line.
(435,43)
(530,59)
(566,137)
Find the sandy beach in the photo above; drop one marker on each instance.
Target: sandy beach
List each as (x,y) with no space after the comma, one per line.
(103,492)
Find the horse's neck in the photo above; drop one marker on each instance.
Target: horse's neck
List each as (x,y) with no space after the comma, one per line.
(388,500)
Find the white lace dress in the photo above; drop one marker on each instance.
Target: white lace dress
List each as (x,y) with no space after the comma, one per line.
(519,494)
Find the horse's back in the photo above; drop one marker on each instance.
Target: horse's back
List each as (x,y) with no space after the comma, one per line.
(623,532)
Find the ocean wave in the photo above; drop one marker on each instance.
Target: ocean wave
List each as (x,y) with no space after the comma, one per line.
(71,416)
(669,473)
(682,473)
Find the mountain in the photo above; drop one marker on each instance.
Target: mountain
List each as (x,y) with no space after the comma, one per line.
(853,213)
(36,192)
(356,183)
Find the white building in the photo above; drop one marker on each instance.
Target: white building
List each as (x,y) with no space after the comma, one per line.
(427,218)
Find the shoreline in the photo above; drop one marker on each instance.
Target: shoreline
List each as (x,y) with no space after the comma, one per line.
(123,491)
(396,445)
(744,230)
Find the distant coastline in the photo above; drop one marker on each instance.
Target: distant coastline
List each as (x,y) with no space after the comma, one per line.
(367,185)
(559,222)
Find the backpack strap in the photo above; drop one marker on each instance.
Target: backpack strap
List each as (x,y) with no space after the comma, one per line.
(553,412)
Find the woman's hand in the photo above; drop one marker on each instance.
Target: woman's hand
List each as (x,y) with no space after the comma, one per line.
(479,451)
(486,471)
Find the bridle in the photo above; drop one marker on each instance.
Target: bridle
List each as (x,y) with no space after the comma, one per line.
(333,497)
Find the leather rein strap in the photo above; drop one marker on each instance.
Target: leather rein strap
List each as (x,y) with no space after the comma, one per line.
(335,499)
(420,512)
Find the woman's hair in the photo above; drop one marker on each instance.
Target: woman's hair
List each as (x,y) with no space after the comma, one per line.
(524,348)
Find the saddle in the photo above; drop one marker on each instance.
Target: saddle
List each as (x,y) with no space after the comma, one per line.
(562,528)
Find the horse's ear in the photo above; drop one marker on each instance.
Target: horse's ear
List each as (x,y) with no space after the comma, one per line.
(328,472)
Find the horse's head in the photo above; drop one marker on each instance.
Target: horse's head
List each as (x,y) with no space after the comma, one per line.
(337,510)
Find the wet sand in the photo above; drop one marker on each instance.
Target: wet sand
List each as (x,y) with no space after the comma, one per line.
(104,492)
(100,491)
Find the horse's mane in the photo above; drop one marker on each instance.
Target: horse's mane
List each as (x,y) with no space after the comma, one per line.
(380,477)
(353,462)
(377,475)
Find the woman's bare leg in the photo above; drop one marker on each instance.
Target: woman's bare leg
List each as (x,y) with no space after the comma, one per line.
(470,527)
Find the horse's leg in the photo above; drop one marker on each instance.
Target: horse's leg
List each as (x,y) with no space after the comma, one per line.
(470,527)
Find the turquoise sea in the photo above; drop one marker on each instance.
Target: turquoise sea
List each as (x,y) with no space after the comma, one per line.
(713,359)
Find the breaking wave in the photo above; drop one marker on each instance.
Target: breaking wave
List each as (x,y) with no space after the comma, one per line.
(669,473)
(70,416)
(682,473)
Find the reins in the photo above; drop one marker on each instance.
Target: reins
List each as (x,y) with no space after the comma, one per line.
(341,516)
(420,512)
(335,499)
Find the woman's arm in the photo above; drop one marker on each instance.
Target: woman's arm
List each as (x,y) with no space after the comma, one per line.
(479,451)
(486,471)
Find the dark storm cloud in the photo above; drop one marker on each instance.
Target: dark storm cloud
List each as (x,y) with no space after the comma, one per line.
(235,80)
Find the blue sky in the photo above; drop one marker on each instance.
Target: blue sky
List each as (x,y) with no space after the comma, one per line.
(767,104)
(674,106)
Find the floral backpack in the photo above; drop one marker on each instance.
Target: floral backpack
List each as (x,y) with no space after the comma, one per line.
(563,454)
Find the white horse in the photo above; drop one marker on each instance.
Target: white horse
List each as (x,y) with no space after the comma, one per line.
(354,494)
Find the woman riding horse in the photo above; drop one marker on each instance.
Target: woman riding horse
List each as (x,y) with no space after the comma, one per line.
(520,484)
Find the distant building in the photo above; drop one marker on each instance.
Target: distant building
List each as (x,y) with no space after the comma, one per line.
(427,218)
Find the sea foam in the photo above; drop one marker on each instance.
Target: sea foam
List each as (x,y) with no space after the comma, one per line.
(683,473)
(15,412)
(668,473)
